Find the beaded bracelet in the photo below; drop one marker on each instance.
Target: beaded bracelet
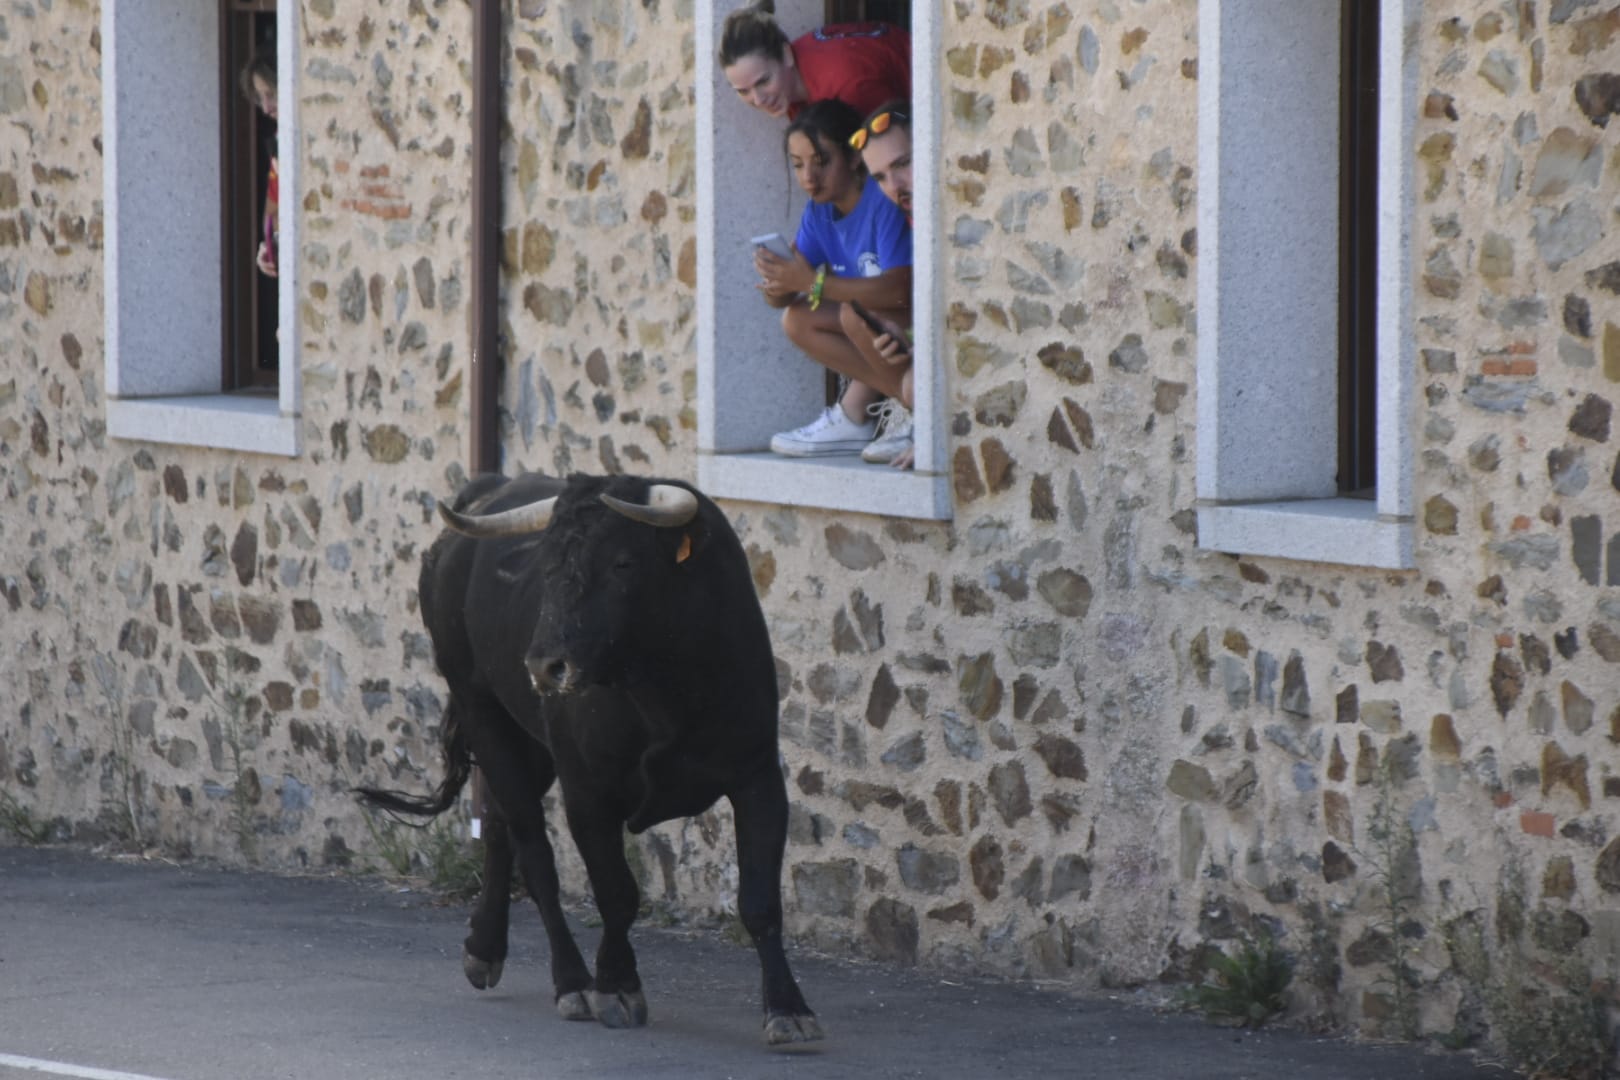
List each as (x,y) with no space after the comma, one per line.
(815,290)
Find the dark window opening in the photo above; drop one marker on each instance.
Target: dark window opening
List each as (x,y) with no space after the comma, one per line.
(247,147)
(1358,251)
(896,12)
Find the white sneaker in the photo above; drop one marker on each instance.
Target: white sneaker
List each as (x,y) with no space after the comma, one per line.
(830,433)
(893,432)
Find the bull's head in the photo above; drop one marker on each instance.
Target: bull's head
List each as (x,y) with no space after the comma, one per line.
(580,620)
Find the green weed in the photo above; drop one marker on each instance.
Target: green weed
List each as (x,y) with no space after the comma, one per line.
(1550,1021)
(454,863)
(1398,876)
(437,854)
(1246,988)
(18,821)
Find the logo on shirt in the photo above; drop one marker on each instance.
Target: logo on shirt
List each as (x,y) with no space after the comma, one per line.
(867,265)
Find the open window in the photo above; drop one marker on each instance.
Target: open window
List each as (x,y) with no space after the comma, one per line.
(752,382)
(247,150)
(199,352)
(1305,344)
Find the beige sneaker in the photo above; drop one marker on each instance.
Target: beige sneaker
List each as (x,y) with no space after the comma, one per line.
(893,432)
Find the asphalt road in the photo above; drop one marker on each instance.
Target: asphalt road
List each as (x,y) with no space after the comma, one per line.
(129,969)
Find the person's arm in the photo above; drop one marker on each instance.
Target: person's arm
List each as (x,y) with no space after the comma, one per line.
(783,281)
(890,289)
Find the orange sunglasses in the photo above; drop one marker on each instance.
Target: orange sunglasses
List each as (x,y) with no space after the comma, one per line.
(876,126)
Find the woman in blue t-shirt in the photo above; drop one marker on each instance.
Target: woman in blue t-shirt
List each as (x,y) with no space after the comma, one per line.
(853,244)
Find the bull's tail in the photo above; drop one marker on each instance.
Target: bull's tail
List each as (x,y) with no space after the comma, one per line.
(457,767)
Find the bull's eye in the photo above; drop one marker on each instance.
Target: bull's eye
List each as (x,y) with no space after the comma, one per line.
(623,563)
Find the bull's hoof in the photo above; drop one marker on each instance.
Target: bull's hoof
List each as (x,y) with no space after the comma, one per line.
(574,1005)
(784,1028)
(620,1010)
(484,974)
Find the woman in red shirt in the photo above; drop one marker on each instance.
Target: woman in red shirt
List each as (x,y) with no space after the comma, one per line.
(860,64)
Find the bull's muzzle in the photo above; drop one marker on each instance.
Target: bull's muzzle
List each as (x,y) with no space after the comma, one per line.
(552,674)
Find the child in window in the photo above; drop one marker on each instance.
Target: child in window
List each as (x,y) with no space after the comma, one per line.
(861,64)
(853,245)
(258,82)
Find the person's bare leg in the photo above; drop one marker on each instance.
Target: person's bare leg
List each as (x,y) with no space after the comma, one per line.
(861,337)
(821,336)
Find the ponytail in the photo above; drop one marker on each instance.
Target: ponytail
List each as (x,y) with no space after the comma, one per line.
(750,30)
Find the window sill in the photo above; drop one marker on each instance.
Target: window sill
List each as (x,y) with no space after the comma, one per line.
(252,423)
(1345,531)
(838,482)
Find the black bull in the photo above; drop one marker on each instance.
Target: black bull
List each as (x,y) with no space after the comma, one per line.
(605,632)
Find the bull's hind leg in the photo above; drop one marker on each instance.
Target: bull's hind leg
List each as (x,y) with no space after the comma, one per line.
(483,954)
(760,809)
(519,771)
(599,834)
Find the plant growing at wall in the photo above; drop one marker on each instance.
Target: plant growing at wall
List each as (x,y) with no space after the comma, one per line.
(455,863)
(1551,1027)
(1398,881)
(243,782)
(1318,964)
(452,864)
(121,760)
(17,821)
(390,846)
(1247,987)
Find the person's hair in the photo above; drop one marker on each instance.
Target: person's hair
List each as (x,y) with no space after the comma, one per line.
(900,108)
(750,30)
(262,66)
(828,124)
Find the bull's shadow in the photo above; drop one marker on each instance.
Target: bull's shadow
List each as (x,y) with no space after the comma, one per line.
(604,632)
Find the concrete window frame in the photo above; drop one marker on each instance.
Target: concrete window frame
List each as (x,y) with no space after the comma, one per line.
(751,382)
(1268,183)
(164,310)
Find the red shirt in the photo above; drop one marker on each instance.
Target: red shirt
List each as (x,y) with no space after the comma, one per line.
(862,64)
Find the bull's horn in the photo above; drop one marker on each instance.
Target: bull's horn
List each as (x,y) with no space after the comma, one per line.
(518,521)
(667,506)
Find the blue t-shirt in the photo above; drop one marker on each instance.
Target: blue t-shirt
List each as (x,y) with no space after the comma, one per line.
(870,239)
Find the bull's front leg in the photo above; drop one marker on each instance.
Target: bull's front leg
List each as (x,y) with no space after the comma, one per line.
(760,809)
(598,832)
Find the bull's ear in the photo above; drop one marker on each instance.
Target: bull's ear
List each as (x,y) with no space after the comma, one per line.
(693,542)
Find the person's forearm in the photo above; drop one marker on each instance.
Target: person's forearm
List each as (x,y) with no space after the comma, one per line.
(890,289)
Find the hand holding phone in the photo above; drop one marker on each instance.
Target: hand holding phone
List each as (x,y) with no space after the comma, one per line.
(774,243)
(878,328)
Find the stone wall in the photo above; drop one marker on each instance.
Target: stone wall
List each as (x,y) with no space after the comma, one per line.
(1050,737)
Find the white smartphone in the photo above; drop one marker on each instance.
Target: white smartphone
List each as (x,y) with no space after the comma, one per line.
(773,243)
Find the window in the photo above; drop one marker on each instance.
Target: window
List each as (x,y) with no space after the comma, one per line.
(1358,250)
(751,381)
(168,297)
(248,144)
(1305,345)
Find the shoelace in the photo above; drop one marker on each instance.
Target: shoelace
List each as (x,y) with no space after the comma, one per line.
(820,423)
(891,415)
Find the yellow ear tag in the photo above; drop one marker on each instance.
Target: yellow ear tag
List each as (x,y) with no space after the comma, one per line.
(685,550)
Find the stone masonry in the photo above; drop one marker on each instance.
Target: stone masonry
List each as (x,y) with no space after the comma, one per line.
(1051,737)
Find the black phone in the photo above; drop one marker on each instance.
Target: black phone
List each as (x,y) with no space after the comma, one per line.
(872,322)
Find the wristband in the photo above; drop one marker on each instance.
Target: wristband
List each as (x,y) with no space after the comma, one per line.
(815,290)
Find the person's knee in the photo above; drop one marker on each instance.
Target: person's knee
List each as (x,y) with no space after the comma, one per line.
(796,323)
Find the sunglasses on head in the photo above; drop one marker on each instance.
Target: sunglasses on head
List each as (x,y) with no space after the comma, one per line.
(876,126)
